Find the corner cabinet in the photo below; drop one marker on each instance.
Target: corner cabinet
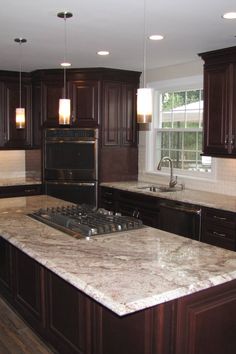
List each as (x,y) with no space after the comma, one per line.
(10,136)
(220,102)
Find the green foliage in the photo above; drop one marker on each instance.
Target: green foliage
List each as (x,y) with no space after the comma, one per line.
(171,100)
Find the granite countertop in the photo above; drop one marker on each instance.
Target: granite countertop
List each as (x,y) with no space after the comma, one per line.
(19,181)
(125,271)
(208,199)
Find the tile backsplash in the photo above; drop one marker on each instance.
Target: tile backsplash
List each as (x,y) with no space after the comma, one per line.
(20,163)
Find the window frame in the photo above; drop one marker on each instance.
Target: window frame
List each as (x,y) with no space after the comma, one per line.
(181,84)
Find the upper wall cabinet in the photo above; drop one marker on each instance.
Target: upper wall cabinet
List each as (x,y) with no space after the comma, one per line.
(10,136)
(119,113)
(84,95)
(220,102)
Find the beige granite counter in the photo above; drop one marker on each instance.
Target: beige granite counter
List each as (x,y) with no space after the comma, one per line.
(125,271)
(19,181)
(208,199)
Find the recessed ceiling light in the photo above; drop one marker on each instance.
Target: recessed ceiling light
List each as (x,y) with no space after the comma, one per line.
(65,65)
(103,52)
(229,15)
(156,37)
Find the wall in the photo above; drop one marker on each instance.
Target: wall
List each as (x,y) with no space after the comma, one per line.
(20,163)
(224,180)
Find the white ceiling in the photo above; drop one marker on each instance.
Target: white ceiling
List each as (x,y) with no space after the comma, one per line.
(189,27)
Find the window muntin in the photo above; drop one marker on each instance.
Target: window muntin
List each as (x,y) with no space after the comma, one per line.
(179,130)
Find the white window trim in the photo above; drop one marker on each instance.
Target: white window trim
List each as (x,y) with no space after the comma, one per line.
(185,83)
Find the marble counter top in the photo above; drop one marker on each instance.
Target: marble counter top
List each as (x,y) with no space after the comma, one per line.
(208,199)
(19,181)
(125,271)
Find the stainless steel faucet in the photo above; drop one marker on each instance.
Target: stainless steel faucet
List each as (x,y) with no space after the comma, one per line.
(173,180)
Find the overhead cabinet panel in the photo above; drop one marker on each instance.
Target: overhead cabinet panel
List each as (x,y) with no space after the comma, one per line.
(220,102)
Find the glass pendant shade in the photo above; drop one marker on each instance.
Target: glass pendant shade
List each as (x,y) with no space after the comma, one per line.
(144,105)
(64,111)
(20,118)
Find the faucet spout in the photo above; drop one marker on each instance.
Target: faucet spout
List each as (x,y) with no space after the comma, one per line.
(173,180)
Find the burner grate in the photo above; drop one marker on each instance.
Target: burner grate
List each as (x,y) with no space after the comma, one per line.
(83,221)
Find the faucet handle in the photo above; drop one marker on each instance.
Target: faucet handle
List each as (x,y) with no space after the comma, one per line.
(173,182)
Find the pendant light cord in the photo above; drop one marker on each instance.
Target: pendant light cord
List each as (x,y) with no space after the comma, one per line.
(65,53)
(20,54)
(144,43)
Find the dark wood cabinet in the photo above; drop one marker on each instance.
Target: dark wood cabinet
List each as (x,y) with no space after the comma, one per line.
(52,91)
(5,269)
(28,289)
(220,102)
(68,314)
(141,206)
(85,95)
(219,228)
(11,136)
(119,105)
(204,321)
(73,323)
(20,190)
(37,114)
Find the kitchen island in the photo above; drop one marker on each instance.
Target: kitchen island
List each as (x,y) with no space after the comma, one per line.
(143,291)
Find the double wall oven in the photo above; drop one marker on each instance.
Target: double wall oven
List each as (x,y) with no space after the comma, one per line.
(70,168)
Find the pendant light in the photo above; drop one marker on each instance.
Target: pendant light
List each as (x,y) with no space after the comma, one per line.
(144,96)
(64,103)
(20,112)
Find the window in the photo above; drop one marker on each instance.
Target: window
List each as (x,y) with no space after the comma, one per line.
(178,130)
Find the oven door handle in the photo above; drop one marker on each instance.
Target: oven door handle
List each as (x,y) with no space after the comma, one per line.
(89,184)
(70,142)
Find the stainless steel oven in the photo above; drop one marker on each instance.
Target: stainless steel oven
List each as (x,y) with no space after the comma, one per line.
(70,168)
(70,154)
(75,192)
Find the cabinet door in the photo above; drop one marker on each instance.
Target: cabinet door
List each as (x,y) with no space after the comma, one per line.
(28,292)
(5,269)
(17,138)
(216,109)
(36,115)
(68,317)
(85,102)
(52,91)
(232,140)
(112,113)
(129,125)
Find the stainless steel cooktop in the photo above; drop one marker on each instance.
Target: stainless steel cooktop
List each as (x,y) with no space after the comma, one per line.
(85,221)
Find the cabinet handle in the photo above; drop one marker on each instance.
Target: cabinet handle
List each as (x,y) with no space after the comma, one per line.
(218,234)
(29,190)
(136,213)
(109,194)
(232,140)
(219,217)
(108,202)
(226,139)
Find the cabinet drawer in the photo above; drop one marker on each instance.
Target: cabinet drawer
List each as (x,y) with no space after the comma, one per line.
(219,218)
(107,199)
(21,190)
(219,228)
(221,238)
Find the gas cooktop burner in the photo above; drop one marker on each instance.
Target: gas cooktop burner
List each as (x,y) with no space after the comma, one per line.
(84,221)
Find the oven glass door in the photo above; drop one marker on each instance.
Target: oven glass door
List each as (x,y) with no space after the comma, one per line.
(79,193)
(70,160)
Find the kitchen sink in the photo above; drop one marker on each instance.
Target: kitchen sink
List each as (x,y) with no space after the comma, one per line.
(161,188)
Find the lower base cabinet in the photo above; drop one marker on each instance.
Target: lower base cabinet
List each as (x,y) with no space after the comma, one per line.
(73,323)
(68,317)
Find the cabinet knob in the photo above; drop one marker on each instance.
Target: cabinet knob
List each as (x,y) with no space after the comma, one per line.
(226,140)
